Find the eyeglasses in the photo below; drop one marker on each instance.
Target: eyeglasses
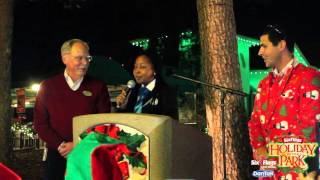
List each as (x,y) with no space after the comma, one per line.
(274,28)
(79,58)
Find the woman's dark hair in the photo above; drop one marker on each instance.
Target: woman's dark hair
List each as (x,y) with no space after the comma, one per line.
(277,33)
(152,59)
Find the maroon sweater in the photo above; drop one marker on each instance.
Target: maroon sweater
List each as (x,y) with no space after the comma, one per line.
(56,105)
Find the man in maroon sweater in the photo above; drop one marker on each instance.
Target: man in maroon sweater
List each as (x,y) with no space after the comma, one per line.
(62,97)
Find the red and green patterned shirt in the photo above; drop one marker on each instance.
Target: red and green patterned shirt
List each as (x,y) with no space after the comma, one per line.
(286,106)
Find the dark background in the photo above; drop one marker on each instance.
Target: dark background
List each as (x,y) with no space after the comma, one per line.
(41,26)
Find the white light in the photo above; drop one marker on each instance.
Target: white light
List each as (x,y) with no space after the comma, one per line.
(35,87)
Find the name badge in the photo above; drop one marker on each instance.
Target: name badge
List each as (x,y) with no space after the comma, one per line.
(155,102)
(87,93)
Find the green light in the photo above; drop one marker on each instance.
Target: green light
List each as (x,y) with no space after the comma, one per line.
(144,43)
(297,53)
(187,41)
(185,44)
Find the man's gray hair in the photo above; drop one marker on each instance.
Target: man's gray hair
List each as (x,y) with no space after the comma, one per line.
(66,46)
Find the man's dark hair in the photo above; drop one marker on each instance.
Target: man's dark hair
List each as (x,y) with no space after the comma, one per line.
(277,33)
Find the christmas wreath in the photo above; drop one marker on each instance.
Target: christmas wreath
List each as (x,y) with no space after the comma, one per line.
(122,147)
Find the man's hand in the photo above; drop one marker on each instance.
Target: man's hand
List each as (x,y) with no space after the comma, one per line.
(261,153)
(65,148)
(310,176)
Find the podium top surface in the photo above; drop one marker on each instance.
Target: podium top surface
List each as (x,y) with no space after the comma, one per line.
(142,122)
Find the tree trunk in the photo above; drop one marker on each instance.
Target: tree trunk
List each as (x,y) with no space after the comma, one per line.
(220,66)
(6,17)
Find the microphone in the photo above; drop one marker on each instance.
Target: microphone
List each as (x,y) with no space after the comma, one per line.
(130,85)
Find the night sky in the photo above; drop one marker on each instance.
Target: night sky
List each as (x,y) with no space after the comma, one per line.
(41,26)
(300,16)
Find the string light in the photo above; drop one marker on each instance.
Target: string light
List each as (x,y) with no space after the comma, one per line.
(24,129)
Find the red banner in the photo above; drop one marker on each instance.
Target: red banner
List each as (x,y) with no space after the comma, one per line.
(21,99)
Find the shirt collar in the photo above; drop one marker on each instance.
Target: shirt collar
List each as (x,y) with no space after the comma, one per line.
(292,63)
(73,85)
(151,85)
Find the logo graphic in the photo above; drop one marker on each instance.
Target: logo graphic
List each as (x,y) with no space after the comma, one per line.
(292,152)
(262,173)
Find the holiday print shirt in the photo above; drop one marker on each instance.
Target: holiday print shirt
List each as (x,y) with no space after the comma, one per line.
(286,105)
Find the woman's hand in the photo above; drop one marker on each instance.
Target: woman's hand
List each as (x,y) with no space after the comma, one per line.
(121,98)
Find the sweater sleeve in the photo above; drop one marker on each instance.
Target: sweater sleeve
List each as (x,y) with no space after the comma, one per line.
(257,138)
(41,120)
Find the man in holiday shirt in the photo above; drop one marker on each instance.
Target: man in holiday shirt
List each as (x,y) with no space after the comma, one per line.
(287,102)
(62,97)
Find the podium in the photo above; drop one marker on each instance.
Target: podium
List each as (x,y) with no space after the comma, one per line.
(172,150)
